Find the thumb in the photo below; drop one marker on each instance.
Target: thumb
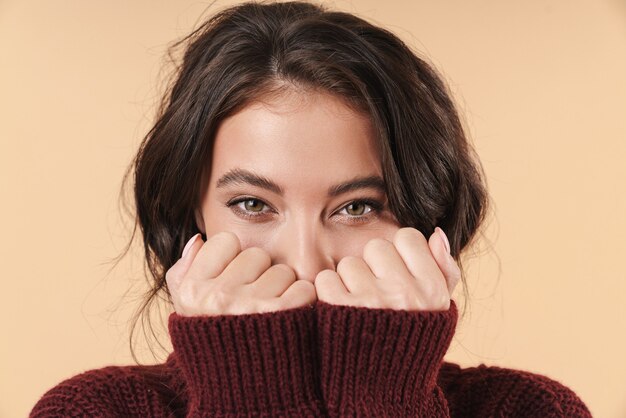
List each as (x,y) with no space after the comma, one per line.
(440,249)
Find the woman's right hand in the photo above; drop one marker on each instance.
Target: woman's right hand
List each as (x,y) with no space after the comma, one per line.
(217,278)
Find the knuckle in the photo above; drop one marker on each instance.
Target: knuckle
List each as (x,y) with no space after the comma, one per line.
(375,245)
(408,235)
(350,260)
(215,303)
(307,291)
(282,267)
(283,270)
(305,286)
(435,297)
(323,280)
(185,296)
(406,301)
(347,262)
(227,238)
(429,291)
(325,275)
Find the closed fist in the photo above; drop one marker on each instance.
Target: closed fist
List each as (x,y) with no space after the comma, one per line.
(409,273)
(217,278)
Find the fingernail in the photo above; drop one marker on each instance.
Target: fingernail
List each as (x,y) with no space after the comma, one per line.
(189,244)
(444,238)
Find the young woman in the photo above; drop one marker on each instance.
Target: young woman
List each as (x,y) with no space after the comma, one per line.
(293,196)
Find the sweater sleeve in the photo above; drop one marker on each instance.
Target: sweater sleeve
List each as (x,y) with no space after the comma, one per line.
(249,365)
(383,362)
(495,391)
(112,391)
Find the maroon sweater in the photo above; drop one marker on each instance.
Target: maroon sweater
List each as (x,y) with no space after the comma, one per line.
(326,361)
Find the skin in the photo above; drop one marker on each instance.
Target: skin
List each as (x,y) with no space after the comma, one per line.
(281,247)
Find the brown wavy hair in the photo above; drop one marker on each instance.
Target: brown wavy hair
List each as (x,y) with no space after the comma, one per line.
(432,175)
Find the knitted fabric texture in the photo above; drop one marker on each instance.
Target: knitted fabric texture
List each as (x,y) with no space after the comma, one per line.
(320,361)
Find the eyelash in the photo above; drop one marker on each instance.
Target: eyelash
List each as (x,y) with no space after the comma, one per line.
(376,208)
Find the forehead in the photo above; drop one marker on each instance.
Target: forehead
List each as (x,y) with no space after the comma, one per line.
(301,136)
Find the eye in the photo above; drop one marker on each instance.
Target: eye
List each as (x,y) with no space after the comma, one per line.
(248,207)
(357,208)
(361,210)
(253,205)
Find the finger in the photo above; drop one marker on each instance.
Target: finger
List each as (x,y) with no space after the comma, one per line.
(174,276)
(330,287)
(355,274)
(216,253)
(415,252)
(300,293)
(273,282)
(247,267)
(445,261)
(384,261)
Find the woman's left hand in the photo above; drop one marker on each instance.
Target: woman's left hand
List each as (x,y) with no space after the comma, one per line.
(409,273)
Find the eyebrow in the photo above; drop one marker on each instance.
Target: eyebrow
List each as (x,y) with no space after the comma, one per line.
(241,176)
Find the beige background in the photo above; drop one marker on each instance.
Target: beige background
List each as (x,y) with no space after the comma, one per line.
(542,85)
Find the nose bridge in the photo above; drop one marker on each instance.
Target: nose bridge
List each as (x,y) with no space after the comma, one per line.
(302,245)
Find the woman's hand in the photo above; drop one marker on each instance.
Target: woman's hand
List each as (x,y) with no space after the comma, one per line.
(409,273)
(217,278)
